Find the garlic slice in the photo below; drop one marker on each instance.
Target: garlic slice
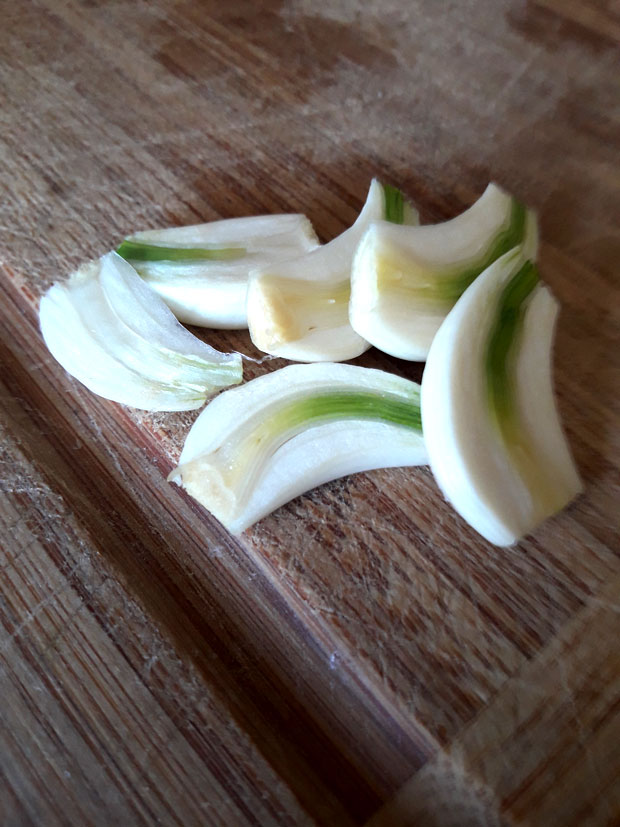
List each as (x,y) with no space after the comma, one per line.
(258,446)
(298,309)
(405,279)
(201,271)
(491,425)
(110,331)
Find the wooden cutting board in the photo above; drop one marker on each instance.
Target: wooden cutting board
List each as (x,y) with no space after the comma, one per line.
(361,648)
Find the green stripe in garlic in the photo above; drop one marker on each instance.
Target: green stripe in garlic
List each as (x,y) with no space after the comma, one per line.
(405,280)
(132,250)
(502,382)
(270,440)
(396,208)
(502,341)
(298,309)
(110,331)
(492,429)
(201,271)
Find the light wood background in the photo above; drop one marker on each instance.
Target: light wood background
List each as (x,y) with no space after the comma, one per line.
(361,653)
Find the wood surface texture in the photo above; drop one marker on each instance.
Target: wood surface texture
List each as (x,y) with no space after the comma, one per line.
(361,653)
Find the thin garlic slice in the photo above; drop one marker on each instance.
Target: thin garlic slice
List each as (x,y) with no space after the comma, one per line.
(298,309)
(201,271)
(491,425)
(256,447)
(405,280)
(110,331)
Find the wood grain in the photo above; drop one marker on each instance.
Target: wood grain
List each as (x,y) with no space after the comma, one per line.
(361,652)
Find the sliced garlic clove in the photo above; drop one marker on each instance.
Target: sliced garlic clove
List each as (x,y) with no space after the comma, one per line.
(117,337)
(201,271)
(258,446)
(405,279)
(298,309)
(491,425)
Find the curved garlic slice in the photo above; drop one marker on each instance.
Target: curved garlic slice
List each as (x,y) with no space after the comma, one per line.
(491,425)
(298,309)
(404,280)
(110,331)
(258,446)
(201,271)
